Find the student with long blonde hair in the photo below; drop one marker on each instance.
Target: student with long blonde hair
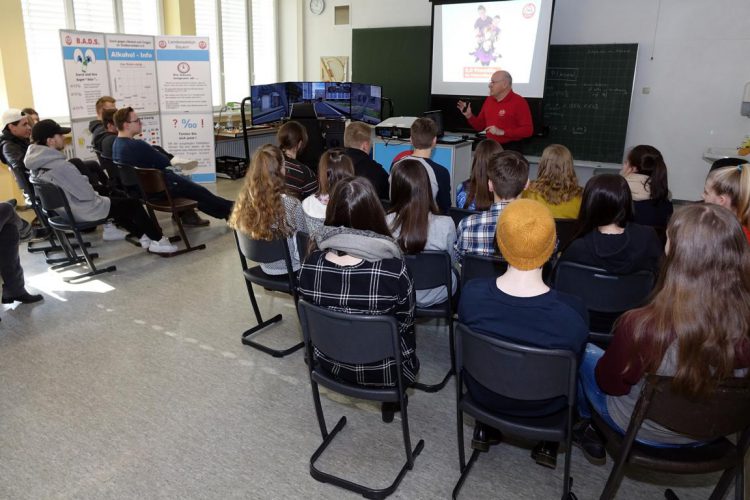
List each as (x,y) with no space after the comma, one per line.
(730,188)
(696,328)
(556,184)
(263,210)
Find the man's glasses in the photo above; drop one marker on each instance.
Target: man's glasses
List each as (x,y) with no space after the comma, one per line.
(137,120)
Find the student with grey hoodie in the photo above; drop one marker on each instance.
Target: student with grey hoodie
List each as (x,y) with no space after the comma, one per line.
(47,163)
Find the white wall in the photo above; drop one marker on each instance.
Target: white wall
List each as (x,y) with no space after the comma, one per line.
(699,68)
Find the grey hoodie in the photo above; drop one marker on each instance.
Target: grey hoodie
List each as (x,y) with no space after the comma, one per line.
(49,165)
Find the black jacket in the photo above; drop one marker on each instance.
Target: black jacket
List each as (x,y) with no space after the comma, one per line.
(366,167)
(635,249)
(12,149)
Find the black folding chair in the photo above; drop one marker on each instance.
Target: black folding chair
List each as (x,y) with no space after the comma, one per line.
(431,269)
(457,214)
(519,372)
(358,339)
(725,413)
(605,295)
(481,266)
(303,244)
(264,252)
(54,202)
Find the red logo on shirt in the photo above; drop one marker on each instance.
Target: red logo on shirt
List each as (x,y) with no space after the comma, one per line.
(528,10)
(501,112)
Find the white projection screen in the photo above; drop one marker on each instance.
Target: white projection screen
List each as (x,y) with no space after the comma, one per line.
(470,41)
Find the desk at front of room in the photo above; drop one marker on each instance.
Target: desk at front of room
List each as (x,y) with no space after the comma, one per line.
(455,157)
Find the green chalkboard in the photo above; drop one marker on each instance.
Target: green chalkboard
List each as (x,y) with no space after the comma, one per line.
(587,100)
(398,59)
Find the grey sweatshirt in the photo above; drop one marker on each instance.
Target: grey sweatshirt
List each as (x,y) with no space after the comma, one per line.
(49,165)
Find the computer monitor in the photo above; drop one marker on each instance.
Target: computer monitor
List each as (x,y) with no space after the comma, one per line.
(299,92)
(437,117)
(366,103)
(332,99)
(269,103)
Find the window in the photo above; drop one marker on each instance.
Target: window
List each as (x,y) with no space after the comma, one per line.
(43,18)
(226,22)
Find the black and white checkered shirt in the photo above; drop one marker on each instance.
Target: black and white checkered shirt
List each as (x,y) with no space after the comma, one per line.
(381,287)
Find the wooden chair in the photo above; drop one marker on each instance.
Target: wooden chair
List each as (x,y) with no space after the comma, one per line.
(725,413)
(157,197)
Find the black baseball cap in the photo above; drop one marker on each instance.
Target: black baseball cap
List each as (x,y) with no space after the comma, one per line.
(45,129)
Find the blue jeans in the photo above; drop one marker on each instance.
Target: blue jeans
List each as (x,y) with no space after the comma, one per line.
(590,396)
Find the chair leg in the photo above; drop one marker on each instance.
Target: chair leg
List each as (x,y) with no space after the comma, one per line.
(183,236)
(615,476)
(460,434)
(93,271)
(260,326)
(319,409)
(725,481)
(437,387)
(366,492)
(464,473)
(567,480)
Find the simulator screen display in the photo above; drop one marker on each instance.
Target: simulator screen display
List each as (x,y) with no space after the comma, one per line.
(269,103)
(366,103)
(332,100)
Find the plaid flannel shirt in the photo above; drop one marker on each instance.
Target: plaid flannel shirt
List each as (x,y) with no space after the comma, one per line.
(476,233)
(381,287)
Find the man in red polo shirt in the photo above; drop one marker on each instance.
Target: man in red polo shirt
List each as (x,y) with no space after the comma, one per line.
(505,115)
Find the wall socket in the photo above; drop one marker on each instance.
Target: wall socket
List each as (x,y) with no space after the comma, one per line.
(646,90)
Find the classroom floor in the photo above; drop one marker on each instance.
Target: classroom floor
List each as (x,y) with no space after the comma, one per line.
(136,385)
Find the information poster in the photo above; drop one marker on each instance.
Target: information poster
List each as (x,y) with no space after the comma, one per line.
(191,136)
(85,63)
(184,74)
(151,129)
(132,72)
(82,140)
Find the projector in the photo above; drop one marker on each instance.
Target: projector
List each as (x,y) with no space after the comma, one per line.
(396,127)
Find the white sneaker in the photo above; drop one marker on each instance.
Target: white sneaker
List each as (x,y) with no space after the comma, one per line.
(183,163)
(112,233)
(145,241)
(162,246)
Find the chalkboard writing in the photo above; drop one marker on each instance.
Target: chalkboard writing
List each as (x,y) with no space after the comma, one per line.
(587,100)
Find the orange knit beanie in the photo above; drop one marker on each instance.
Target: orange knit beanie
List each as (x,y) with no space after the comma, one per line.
(526,234)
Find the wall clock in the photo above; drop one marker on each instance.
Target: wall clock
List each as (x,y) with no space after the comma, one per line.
(317,6)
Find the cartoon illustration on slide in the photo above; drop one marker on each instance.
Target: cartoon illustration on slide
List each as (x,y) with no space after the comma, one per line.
(84,59)
(486,32)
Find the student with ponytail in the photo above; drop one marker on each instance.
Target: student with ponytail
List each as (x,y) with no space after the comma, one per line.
(730,188)
(646,173)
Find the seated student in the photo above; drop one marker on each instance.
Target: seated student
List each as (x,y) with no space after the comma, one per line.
(103,142)
(96,127)
(130,151)
(508,176)
(357,268)
(32,115)
(300,179)
(10,265)
(47,163)
(474,193)
(701,339)
(730,188)
(519,307)
(424,138)
(646,173)
(264,210)
(358,144)
(334,165)
(556,184)
(416,224)
(606,237)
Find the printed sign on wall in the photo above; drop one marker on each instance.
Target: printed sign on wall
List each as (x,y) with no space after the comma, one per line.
(85,63)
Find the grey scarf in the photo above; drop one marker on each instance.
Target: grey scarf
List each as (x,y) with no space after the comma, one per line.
(366,245)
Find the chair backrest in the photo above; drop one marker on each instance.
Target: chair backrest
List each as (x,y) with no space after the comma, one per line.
(460,213)
(264,252)
(52,199)
(109,166)
(350,338)
(481,266)
(151,181)
(127,175)
(725,412)
(429,269)
(602,291)
(303,244)
(566,230)
(516,371)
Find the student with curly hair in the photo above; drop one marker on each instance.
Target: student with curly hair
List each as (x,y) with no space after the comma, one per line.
(556,184)
(263,210)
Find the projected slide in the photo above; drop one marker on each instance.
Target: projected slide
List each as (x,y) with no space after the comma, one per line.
(473,40)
